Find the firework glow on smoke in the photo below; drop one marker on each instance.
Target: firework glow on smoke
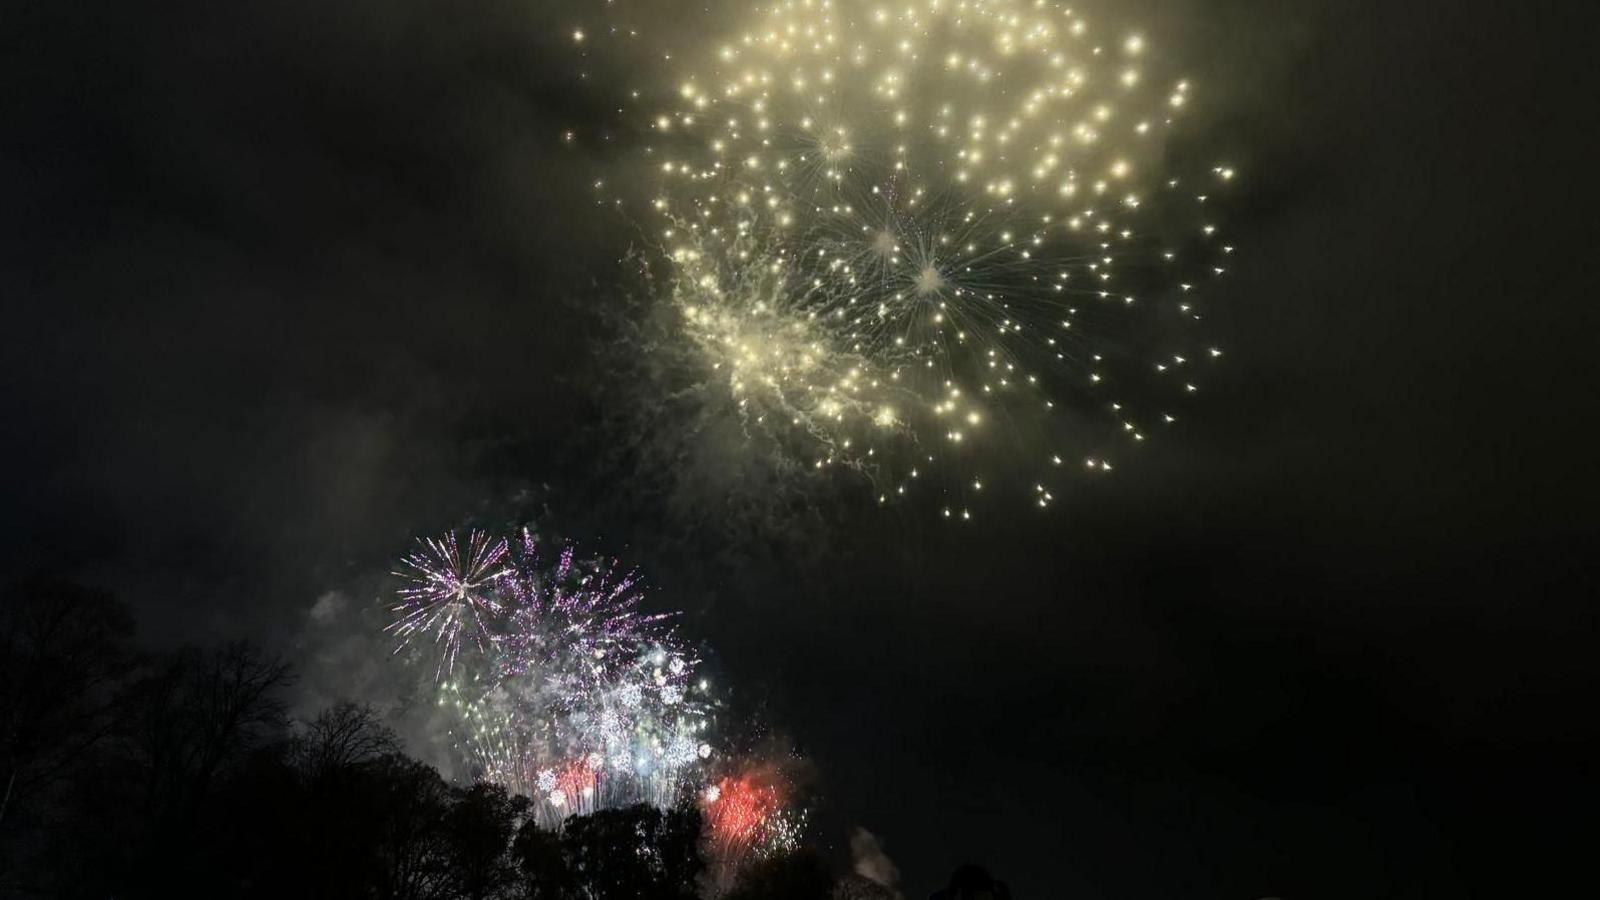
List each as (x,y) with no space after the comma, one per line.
(566,691)
(937,241)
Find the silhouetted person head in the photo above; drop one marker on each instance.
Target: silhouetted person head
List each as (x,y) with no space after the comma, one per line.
(970,882)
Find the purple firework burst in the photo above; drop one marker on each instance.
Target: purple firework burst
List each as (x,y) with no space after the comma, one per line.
(453,593)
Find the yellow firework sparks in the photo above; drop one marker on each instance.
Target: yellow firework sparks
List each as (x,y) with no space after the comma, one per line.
(893,225)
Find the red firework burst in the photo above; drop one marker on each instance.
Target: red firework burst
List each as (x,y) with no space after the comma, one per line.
(739,810)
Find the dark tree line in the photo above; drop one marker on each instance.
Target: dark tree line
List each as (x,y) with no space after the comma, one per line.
(179,774)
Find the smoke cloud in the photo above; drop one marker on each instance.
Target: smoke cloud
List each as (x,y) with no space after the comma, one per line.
(871,862)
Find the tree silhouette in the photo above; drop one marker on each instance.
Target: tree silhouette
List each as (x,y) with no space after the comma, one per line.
(635,852)
(342,736)
(196,713)
(479,827)
(62,652)
(412,847)
(801,875)
(178,774)
(63,658)
(543,870)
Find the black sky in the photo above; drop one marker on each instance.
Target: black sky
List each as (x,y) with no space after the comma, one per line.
(289,283)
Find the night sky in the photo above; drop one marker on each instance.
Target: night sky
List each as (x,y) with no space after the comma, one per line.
(288,284)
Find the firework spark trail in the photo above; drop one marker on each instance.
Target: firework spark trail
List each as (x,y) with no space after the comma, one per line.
(896,230)
(573,697)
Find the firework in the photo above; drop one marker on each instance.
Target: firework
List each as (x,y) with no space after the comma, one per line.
(896,233)
(750,814)
(574,697)
(452,593)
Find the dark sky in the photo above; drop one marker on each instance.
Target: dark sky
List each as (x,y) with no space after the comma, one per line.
(289,283)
